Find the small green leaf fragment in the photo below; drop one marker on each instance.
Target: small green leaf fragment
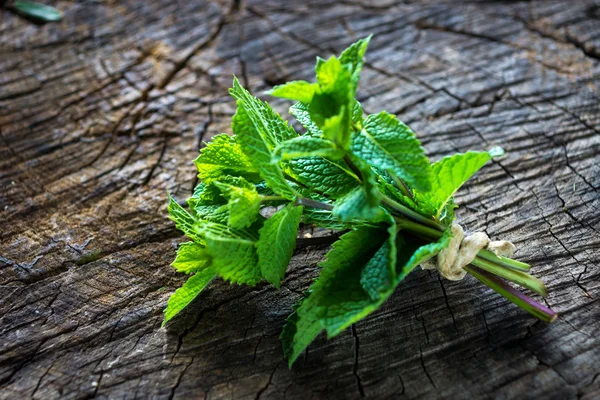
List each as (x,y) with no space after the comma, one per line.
(243,202)
(295,90)
(37,11)
(447,176)
(259,130)
(277,242)
(223,156)
(191,257)
(306,146)
(184,221)
(233,253)
(188,292)
(385,142)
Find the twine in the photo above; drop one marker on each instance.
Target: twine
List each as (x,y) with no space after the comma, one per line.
(462,250)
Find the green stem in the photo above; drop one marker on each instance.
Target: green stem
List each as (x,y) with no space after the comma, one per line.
(271,198)
(504,261)
(521,278)
(526,303)
(303,201)
(401,185)
(407,212)
(487,264)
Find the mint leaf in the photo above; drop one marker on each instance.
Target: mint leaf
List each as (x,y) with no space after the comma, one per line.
(191,257)
(223,156)
(277,242)
(233,252)
(332,178)
(337,298)
(259,130)
(306,146)
(447,176)
(184,221)
(325,219)
(243,202)
(295,90)
(363,202)
(379,274)
(387,143)
(411,252)
(301,112)
(352,58)
(188,292)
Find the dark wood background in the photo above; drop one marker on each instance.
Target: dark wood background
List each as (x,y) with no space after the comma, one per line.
(102,113)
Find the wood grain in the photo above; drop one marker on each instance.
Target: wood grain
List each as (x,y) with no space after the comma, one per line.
(102,113)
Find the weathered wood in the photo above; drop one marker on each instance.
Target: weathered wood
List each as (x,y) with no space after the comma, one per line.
(101,114)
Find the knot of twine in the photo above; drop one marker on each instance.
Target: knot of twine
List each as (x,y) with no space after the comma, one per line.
(462,250)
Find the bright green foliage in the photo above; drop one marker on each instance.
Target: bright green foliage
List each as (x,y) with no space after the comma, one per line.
(295,90)
(447,176)
(191,257)
(365,174)
(188,292)
(352,58)
(184,221)
(306,146)
(259,130)
(243,202)
(277,242)
(332,178)
(222,157)
(387,143)
(301,112)
(362,202)
(337,299)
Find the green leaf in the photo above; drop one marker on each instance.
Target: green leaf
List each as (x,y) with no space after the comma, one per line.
(363,202)
(357,114)
(379,274)
(325,219)
(447,176)
(295,90)
(328,75)
(184,221)
(191,257)
(259,130)
(306,146)
(277,242)
(326,176)
(333,127)
(233,252)
(352,58)
(411,253)
(37,11)
(188,292)
(223,156)
(243,202)
(387,143)
(301,112)
(337,299)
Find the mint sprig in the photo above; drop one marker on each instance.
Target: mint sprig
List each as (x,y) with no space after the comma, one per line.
(368,176)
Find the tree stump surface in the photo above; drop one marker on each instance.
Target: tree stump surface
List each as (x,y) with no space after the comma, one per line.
(102,113)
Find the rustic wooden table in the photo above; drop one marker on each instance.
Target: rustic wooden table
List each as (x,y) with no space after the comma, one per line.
(102,113)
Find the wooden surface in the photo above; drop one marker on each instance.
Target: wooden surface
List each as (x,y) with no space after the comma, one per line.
(103,112)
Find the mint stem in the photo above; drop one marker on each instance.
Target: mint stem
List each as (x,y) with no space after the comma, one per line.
(526,303)
(407,212)
(303,201)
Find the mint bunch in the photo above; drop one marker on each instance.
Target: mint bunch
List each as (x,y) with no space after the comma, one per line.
(368,176)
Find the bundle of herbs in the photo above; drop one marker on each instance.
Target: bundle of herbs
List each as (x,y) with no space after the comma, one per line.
(365,176)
